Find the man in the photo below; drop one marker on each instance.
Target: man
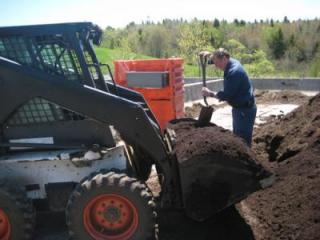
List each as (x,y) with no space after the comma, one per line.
(237,91)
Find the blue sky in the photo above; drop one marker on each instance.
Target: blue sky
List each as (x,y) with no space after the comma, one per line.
(118,13)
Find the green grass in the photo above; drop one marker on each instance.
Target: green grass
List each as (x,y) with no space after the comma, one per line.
(106,55)
(190,70)
(195,71)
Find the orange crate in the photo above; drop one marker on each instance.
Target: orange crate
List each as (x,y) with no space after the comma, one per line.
(173,66)
(166,110)
(166,103)
(163,110)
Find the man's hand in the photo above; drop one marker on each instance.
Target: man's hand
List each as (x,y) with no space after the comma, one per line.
(206,92)
(204,55)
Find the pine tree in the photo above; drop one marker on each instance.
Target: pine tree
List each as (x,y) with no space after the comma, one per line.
(277,43)
(216,23)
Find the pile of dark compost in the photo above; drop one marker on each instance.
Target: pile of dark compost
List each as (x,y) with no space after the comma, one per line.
(280,97)
(290,147)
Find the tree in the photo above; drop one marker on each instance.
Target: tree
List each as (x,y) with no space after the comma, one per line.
(255,62)
(242,23)
(194,37)
(153,41)
(235,48)
(111,38)
(131,25)
(216,38)
(271,22)
(276,43)
(292,40)
(315,49)
(157,42)
(216,23)
(315,66)
(286,42)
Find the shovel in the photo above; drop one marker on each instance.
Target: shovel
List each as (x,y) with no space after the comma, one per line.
(206,111)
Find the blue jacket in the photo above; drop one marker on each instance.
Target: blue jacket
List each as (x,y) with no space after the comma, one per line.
(237,87)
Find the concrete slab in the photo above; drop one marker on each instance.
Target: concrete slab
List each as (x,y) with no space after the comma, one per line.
(265,111)
(193,86)
(222,116)
(210,100)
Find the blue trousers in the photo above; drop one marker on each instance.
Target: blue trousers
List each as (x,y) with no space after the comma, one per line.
(243,121)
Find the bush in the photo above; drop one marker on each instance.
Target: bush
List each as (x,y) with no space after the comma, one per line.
(261,68)
(315,66)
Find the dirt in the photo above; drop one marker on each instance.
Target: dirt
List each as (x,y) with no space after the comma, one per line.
(280,97)
(193,111)
(290,147)
(290,209)
(283,138)
(213,163)
(191,141)
(226,225)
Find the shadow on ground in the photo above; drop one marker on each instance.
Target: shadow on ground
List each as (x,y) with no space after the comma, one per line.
(227,225)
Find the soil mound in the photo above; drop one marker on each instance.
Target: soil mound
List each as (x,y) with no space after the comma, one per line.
(191,141)
(213,166)
(193,111)
(284,97)
(295,132)
(290,146)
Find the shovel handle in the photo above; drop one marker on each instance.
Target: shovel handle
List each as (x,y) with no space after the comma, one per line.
(203,63)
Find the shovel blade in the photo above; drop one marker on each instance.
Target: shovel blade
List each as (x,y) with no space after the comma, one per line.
(205,116)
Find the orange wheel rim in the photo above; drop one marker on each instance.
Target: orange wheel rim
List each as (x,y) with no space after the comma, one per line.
(110,216)
(5,228)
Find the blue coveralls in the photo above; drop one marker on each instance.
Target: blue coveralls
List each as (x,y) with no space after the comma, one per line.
(238,92)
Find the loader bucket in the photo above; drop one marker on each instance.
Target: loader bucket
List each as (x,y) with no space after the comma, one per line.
(216,168)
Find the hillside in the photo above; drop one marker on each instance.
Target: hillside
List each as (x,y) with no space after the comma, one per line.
(107,55)
(265,47)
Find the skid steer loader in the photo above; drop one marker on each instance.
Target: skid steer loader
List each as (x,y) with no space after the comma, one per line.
(59,121)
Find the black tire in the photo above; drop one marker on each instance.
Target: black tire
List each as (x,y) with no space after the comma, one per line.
(142,169)
(109,192)
(140,166)
(18,211)
(101,171)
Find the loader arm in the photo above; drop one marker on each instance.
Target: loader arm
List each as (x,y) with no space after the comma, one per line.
(131,95)
(127,116)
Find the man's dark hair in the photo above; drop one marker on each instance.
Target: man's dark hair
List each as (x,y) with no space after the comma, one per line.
(220,53)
